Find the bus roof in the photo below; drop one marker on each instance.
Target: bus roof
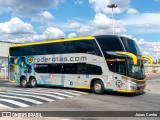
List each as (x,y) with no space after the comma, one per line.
(55,40)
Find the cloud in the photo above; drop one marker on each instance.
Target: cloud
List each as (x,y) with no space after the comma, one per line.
(53,33)
(146,48)
(27,7)
(102,5)
(150,18)
(132,11)
(16,26)
(74,25)
(45,16)
(99,25)
(101,21)
(104,25)
(72,35)
(143,23)
(79,2)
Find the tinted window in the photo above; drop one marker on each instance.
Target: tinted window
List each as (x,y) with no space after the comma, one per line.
(131,46)
(52,48)
(110,43)
(81,68)
(86,46)
(39,50)
(70,68)
(15,51)
(93,69)
(54,68)
(98,52)
(118,67)
(47,68)
(67,47)
(28,50)
(41,68)
(111,67)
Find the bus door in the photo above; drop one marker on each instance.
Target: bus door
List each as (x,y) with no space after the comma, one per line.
(119,76)
(82,77)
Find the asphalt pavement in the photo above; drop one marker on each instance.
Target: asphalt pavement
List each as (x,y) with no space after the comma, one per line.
(84,100)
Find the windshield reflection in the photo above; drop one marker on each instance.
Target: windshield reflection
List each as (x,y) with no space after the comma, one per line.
(136,71)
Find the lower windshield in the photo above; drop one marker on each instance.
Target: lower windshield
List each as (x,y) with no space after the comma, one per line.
(136,71)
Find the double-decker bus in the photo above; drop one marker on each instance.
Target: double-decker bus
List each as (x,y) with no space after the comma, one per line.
(100,63)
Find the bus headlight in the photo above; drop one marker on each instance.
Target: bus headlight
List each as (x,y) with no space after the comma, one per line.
(132,82)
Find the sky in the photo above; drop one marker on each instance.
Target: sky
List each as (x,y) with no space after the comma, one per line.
(36,20)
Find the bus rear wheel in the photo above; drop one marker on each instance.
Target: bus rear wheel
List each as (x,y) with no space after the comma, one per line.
(98,87)
(32,82)
(24,82)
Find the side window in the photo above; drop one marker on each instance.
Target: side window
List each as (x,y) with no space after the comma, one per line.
(98,52)
(68,47)
(69,68)
(93,69)
(28,50)
(85,46)
(117,67)
(39,49)
(81,68)
(111,66)
(110,44)
(120,68)
(54,68)
(52,48)
(41,68)
(15,51)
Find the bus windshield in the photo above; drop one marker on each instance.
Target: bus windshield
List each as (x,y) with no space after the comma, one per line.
(136,71)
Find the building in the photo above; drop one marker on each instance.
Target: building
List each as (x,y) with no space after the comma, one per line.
(4,47)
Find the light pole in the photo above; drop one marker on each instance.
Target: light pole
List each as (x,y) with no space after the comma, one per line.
(112,6)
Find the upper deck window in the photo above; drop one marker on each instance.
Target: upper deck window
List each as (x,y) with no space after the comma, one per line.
(131,46)
(110,43)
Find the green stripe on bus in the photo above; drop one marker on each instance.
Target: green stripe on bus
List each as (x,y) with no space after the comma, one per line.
(51,85)
(108,90)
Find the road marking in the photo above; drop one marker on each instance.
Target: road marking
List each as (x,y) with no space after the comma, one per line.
(13,98)
(39,93)
(71,93)
(36,96)
(22,98)
(14,102)
(57,93)
(4,106)
(35,89)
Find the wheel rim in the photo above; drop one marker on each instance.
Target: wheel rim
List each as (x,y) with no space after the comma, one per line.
(98,87)
(33,82)
(24,82)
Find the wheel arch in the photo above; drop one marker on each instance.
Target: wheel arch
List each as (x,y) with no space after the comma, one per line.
(94,79)
(22,76)
(31,77)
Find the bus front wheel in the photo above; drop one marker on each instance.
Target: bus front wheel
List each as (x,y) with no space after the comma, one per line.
(98,87)
(32,82)
(24,82)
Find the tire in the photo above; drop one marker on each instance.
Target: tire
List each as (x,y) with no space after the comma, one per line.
(32,82)
(98,87)
(24,82)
